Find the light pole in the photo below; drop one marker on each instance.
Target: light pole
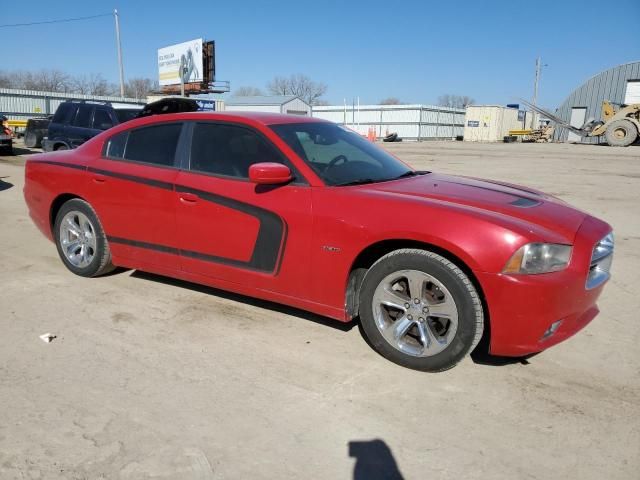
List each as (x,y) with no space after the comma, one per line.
(119,46)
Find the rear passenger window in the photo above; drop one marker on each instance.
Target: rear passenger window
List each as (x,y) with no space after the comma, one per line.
(83,116)
(63,113)
(116,145)
(156,144)
(228,150)
(102,119)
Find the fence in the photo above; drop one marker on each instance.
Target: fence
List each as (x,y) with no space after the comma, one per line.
(25,104)
(410,122)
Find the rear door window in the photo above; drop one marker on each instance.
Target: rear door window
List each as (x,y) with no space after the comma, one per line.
(155,144)
(83,116)
(116,145)
(102,119)
(64,113)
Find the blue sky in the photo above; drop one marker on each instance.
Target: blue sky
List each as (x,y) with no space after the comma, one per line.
(413,50)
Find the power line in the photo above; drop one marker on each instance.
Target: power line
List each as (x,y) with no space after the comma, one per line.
(64,20)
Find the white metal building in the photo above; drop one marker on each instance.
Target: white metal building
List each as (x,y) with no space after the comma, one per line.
(25,104)
(410,122)
(491,123)
(289,104)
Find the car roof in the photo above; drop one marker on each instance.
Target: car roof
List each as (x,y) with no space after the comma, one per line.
(259,117)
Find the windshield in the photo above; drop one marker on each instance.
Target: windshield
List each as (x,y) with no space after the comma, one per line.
(340,156)
(124,115)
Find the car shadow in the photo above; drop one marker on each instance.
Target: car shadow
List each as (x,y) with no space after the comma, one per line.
(374,460)
(482,357)
(236,297)
(5,185)
(22,150)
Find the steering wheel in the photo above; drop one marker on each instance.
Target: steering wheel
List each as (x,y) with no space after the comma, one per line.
(336,160)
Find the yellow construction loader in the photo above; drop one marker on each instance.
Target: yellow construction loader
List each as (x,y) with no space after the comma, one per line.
(620,124)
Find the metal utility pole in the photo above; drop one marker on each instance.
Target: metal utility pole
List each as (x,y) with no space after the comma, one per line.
(534,100)
(119,46)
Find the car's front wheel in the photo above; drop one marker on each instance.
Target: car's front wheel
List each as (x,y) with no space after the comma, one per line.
(420,310)
(80,239)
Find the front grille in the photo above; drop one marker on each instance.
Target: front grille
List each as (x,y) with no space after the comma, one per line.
(600,265)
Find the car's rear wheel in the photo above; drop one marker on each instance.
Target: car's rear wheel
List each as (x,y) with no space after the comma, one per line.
(30,139)
(80,239)
(420,310)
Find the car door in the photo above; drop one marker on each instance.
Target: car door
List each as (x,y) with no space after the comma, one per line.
(102,119)
(57,129)
(229,228)
(133,194)
(81,129)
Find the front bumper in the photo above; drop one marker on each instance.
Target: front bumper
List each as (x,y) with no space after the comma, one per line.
(523,307)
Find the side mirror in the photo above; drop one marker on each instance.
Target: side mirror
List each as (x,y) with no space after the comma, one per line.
(269,173)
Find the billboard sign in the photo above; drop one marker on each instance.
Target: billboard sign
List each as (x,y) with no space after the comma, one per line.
(182,59)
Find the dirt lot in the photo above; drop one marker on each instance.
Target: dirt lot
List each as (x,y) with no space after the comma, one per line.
(152,378)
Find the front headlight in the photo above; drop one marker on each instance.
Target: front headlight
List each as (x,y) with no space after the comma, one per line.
(539,258)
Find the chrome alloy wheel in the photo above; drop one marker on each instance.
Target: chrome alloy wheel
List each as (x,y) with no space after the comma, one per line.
(77,239)
(415,313)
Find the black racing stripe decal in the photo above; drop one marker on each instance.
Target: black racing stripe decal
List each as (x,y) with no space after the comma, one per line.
(145,245)
(185,253)
(271,235)
(61,164)
(268,251)
(132,178)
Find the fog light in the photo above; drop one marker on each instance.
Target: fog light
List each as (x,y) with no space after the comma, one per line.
(552,329)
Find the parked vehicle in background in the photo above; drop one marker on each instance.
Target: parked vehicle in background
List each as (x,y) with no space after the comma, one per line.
(6,137)
(304,212)
(77,121)
(35,131)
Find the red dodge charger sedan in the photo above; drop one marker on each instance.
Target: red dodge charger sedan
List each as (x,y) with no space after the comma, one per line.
(307,213)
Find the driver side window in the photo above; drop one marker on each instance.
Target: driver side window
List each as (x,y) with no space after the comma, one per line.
(228,150)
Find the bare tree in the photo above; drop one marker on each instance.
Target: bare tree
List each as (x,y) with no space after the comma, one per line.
(391,101)
(93,84)
(47,81)
(455,101)
(247,92)
(298,85)
(139,87)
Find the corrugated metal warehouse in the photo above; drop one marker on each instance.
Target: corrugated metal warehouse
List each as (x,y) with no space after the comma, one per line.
(410,122)
(25,104)
(619,84)
(289,104)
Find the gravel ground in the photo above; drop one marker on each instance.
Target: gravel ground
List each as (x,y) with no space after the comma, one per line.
(154,378)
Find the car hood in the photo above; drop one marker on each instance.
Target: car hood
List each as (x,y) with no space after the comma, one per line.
(521,203)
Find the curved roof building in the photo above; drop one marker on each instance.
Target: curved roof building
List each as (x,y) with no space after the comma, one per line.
(619,84)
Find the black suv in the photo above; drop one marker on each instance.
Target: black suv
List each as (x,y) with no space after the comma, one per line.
(76,121)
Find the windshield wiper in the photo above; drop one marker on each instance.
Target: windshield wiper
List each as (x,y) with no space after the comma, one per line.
(359,181)
(410,173)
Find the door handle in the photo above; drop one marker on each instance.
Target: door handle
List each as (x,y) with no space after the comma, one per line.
(188,198)
(99,179)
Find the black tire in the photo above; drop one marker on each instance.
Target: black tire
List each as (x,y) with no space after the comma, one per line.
(30,140)
(101,261)
(621,133)
(61,147)
(470,317)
